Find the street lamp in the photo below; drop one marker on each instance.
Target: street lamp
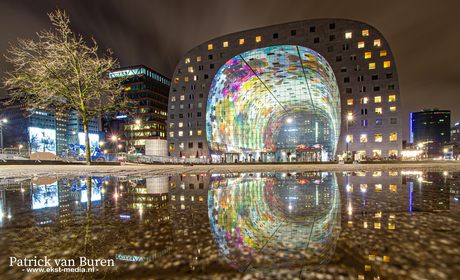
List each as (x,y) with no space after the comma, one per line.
(2,124)
(20,146)
(115,138)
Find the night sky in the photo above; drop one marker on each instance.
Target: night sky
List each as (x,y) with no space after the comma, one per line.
(424,35)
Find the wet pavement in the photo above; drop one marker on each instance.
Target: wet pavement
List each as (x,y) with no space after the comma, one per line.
(273,225)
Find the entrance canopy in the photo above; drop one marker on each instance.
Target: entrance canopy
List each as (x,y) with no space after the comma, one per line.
(273,97)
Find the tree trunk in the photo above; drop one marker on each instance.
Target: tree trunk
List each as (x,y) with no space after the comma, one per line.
(88,210)
(87,146)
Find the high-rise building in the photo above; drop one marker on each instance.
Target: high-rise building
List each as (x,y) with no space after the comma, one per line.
(150,91)
(284,92)
(455,133)
(430,125)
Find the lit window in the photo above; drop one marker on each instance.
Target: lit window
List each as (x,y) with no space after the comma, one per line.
(392,98)
(225,44)
(258,39)
(190,70)
(360,45)
(386,64)
(350,138)
(393,188)
(364,100)
(198,58)
(377,99)
(377,225)
(181,133)
(363,187)
(171,125)
(171,134)
(378,188)
(393,137)
(350,188)
(186,79)
(181,124)
(366,32)
(391,226)
(210,47)
(377,43)
(377,153)
(378,137)
(173,197)
(367,267)
(349,101)
(182,198)
(372,65)
(187,60)
(182,97)
(378,122)
(383,53)
(393,109)
(190,133)
(176,80)
(363,138)
(198,132)
(367,55)
(195,77)
(348,35)
(241,41)
(378,111)
(386,258)
(173,98)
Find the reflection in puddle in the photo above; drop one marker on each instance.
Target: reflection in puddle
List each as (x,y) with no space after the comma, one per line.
(275,223)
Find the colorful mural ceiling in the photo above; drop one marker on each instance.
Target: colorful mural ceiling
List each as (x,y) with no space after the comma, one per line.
(255,93)
(269,223)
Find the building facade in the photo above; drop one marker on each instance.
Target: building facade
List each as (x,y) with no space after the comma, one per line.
(272,93)
(430,125)
(147,120)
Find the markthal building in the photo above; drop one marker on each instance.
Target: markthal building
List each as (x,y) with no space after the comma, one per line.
(302,91)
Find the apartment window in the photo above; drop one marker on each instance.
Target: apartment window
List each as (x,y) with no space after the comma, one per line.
(198,114)
(258,39)
(383,53)
(386,64)
(389,75)
(363,122)
(391,87)
(375,77)
(184,88)
(190,106)
(348,90)
(190,115)
(200,95)
(313,29)
(171,125)
(316,40)
(200,146)
(346,79)
(349,138)
(378,122)
(210,47)
(206,76)
(363,111)
(377,99)
(241,41)
(173,107)
(350,113)
(376,88)
(363,138)
(222,55)
(190,133)
(176,80)
(190,146)
(187,60)
(171,116)
(343,69)
(393,109)
(210,56)
(332,38)
(372,66)
(377,43)
(293,32)
(345,47)
(275,35)
(182,146)
(198,132)
(349,101)
(348,35)
(181,124)
(200,105)
(225,44)
(171,134)
(198,123)
(392,98)
(203,86)
(338,58)
(198,58)
(181,133)
(330,48)
(378,137)
(393,120)
(364,100)
(367,55)
(361,45)
(393,137)
(362,89)
(332,26)
(181,116)
(185,79)
(378,188)
(378,111)
(353,57)
(361,78)
(173,98)
(193,87)
(195,77)
(174,89)
(211,66)
(366,32)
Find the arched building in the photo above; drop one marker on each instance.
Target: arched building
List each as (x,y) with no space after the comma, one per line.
(289,92)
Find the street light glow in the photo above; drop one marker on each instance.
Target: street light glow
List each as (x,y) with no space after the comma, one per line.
(350,117)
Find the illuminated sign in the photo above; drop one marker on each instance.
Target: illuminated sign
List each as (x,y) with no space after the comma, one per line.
(93,139)
(42,140)
(45,196)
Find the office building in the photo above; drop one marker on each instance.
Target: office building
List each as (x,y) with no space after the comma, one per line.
(430,125)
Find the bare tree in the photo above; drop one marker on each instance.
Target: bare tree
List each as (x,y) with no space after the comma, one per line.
(61,70)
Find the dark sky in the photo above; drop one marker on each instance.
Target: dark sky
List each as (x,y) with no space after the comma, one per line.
(424,35)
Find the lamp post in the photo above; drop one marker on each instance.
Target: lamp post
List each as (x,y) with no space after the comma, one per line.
(2,124)
(348,139)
